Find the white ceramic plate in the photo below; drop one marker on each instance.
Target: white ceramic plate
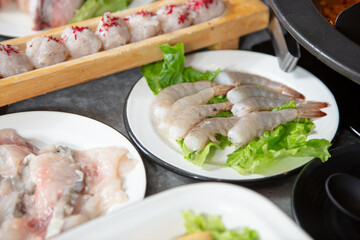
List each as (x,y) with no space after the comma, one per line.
(16,23)
(44,128)
(142,129)
(159,217)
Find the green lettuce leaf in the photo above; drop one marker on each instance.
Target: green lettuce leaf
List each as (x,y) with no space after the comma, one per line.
(198,158)
(287,140)
(171,70)
(215,226)
(220,99)
(95,8)
(291,104)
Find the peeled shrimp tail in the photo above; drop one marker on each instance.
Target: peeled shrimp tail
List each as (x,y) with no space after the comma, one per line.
(242,92)
(168,96)
(291,93)
(199,136)
(310,113)
(191,115)
(241,78)
(201,97)
(311,104)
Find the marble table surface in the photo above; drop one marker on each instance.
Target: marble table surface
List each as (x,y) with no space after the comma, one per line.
(103,99)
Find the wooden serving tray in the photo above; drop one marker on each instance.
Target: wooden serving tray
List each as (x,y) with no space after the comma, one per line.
(240,18)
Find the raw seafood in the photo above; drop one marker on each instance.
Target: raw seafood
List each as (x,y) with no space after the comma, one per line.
(112,31)
(241,78)
(52,13)
(45,51)
(186,119)
(11,157)
(247,91)
(168,96)
(201,97)
(205,10)
(248,105)
(103,168)
(206,130)
(45,193)
(255,124)
(10,136)
(142,25)
(13,61)
(80,41)
(174,17)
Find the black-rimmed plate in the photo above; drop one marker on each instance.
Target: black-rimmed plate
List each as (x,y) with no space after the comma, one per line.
(142,129)
(313,209)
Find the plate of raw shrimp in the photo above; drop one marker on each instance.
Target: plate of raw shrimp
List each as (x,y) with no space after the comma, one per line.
(142,125)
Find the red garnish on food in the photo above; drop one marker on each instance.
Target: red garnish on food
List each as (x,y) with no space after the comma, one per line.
(169,9)
(196,4)
(183,18)
(126,19)
(145,13)
(109,21)
(79,29)
(53,38)
(8,49)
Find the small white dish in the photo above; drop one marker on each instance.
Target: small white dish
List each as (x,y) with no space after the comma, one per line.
(46,127)
(16,23)
(159,217)
(141,127)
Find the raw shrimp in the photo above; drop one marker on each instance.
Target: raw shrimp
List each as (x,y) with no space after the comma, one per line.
(143,25)
(45,51)
(112,31)
(174,17)
(192,115)
(241,78)
(242,92)
(80,41)
(201,97)
(255,124)
(206,130)
(205,10)
(169,95)
(248,105)
(13,61)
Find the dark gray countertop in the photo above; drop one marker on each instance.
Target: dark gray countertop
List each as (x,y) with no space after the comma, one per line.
(103,99)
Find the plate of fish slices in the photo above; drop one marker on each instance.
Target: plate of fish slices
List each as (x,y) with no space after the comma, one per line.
(59,170)
(264,86)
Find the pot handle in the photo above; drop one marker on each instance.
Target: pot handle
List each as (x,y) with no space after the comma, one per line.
(287,49)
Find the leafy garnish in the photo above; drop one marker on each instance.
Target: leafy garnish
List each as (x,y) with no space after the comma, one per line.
(171,70)
(214,225)
(95,8)
(287,140)
(218,99)
(198,158)
(291,104)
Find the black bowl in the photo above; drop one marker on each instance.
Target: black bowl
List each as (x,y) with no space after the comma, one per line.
(304,22)
(311,206)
